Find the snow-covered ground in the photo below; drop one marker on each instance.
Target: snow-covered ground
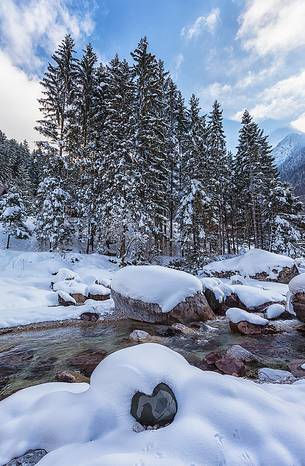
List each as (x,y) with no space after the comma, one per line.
(26,295)
(25,285)
(220,419)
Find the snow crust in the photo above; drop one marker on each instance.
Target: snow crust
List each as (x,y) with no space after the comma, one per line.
(254,297)
(220,419)
(236,315)
(297,284)
(156,284)
(220,289)
(251,263)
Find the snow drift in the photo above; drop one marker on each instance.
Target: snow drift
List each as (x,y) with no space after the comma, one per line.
(220,419)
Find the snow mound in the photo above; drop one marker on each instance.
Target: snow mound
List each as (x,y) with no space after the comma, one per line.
(274,311)
(297,284)
(220,419)
(250,264)
(253,297)
(71,287)
(65,274)
(96,289)
(236,315)
(220,289)
(156,285)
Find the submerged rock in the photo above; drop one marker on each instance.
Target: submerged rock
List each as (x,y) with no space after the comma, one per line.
(87,361)
(157,409)
(231,366)
(241,353)
(71,377)
(30,458)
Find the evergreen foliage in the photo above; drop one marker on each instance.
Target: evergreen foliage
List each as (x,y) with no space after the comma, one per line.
(126,168)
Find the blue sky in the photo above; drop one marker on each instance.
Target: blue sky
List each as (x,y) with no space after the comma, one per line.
(245,53)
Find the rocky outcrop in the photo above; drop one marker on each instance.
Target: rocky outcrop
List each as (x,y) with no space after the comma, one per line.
(30,458)
(191,309)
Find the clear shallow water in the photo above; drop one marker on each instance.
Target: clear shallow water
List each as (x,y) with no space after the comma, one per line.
(33,357)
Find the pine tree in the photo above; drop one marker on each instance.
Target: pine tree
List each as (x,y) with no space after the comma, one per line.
(53,226)
(14,216)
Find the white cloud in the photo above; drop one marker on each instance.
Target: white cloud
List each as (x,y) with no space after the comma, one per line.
(282,100)
(202,23)
(18,97)
(272,26)
(215,91)
(28,27)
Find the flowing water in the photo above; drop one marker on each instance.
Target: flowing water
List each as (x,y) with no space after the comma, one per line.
(31,357)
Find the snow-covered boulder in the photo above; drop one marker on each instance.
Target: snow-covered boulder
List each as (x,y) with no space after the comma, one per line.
(296,296)
(221,296)
(76,289)
(65,274)
(153,293)
(220,419)
(64,299)
(245,322)
(256,263)
(98,292)
(277,311)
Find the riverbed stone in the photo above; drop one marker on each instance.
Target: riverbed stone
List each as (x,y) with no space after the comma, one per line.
(71,377)
(86,361)
(30,458)
(156,410)
(90,316)
(247,328)
(138,336)
(231,366)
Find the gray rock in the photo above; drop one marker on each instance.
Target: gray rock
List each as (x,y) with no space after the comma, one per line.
(30,458)
(191,309)
(156,410)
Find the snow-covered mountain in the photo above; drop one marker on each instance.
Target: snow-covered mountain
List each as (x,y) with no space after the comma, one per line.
(290,147)
(289,156)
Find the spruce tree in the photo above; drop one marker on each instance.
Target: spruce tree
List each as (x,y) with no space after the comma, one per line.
(150,145)
(53,227)
(13,216)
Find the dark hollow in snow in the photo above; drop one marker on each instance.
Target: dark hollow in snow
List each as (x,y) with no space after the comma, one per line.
(157,409)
